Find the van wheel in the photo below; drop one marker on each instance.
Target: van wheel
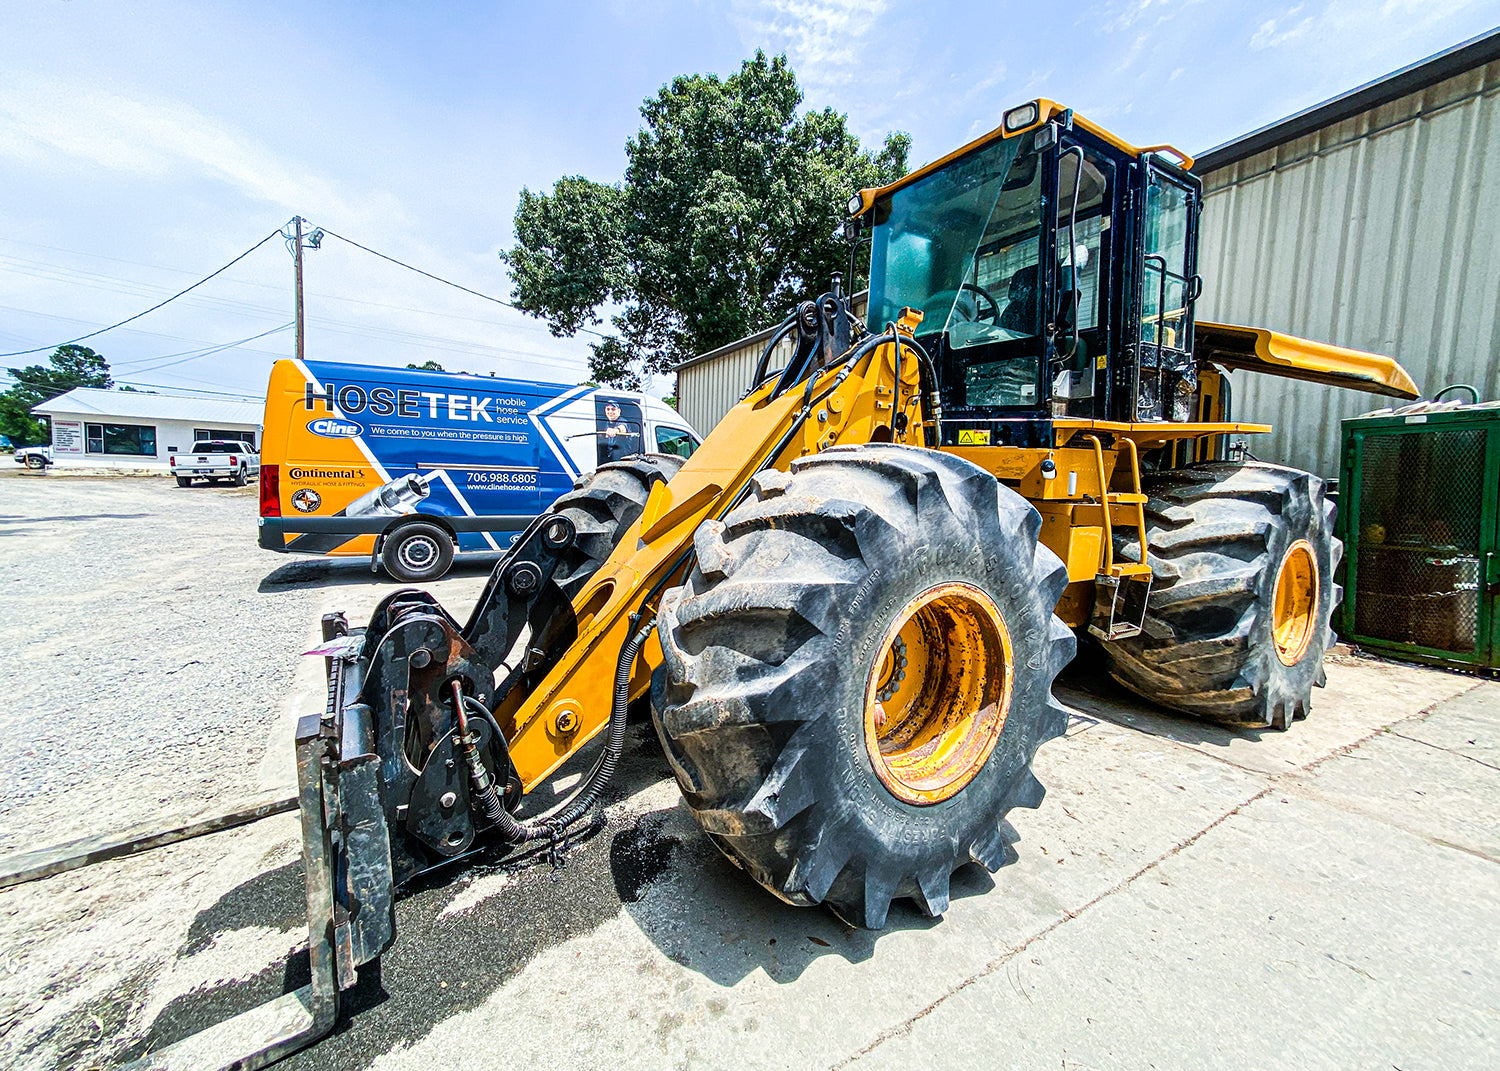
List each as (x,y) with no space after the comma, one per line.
(417,552)
(184,481)
(239,477)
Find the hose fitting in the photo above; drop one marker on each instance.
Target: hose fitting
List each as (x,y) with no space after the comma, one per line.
(552,826)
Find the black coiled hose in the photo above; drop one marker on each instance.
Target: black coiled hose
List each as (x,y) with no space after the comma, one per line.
(551,826)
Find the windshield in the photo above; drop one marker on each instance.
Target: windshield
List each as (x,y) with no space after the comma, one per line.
(926,246)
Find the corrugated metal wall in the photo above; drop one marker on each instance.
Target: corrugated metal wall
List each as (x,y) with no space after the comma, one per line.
(1382,233)
(709,386)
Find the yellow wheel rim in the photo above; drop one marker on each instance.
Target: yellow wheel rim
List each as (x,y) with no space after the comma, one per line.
(1295,609)
(939,692)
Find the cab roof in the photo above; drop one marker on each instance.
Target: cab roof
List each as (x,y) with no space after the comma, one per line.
(1015,122)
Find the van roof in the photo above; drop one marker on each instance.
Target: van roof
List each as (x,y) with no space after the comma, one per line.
(335,369)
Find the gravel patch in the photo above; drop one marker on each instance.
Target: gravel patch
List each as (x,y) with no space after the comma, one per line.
(147,656)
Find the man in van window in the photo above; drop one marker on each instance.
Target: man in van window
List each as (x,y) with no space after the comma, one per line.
(617,439)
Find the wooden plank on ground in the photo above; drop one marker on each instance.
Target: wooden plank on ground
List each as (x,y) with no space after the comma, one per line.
(22,867)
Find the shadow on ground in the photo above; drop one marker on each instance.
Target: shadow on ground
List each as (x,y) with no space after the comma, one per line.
(1086,686)
(334,572)
(465,929)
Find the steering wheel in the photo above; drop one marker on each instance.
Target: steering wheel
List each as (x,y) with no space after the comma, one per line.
(946,300)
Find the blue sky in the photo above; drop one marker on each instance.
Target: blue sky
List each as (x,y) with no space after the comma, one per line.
(144,144)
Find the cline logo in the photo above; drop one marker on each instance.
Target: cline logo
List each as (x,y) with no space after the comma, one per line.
(330,428)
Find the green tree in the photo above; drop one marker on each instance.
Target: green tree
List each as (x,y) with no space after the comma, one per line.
(728,215)
(428,366)
(70,366)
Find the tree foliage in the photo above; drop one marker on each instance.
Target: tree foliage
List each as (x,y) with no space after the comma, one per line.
(70,366)
(428,365)
(728,215)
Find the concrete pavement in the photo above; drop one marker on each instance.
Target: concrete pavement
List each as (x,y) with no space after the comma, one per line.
(1185,897)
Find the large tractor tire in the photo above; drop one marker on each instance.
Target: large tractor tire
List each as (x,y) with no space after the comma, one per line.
(602,505)
(1238,617)
(858,673)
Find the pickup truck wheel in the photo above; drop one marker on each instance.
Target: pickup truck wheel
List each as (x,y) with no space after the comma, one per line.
(184,481)
(417,552)
(34,462)
(239,476)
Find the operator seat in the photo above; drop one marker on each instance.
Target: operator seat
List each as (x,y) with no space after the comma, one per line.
(1020,314)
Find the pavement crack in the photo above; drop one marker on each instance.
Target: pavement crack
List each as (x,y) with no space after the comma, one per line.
(1352,967)
(1440,747)
(905,1027)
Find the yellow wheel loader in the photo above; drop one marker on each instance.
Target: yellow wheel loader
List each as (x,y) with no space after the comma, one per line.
(848,606)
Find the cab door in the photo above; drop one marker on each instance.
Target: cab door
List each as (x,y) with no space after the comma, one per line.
(1167,284)
(1079,329)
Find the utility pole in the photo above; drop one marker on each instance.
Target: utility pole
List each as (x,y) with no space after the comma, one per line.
(297,258)
(312,241)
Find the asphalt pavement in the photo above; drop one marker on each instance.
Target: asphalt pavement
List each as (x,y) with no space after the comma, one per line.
(1185,897)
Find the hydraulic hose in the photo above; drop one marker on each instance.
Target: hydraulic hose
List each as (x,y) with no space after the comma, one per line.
(896,395)
(588,791)
(780,333)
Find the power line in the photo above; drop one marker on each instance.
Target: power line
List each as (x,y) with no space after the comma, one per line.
(137,383)
(440,279)
(87,278)
(153,308)
(347,327)
(193,355)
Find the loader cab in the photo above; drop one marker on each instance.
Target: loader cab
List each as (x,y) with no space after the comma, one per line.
(1055,271)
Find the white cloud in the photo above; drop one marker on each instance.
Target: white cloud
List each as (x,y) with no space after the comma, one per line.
(154,139)
(1278,31)
(1337,20)
(824,39)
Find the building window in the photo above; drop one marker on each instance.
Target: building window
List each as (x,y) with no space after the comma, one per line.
(138,439)
(200,434)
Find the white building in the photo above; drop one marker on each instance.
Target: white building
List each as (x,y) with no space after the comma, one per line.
(137,427)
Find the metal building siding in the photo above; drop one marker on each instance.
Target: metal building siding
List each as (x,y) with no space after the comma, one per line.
(712,384)
(1371,233)
(709,388)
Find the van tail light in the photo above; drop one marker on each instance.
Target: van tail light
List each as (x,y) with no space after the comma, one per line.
(270,490)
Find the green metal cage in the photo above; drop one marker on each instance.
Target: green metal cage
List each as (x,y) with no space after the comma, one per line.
(1420,520)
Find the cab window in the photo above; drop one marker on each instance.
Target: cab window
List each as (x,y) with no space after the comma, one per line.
(1164,311)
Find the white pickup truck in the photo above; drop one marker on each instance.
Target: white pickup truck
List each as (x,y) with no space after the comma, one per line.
(214,460)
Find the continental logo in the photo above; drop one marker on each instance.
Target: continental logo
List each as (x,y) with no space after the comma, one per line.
(326,474)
